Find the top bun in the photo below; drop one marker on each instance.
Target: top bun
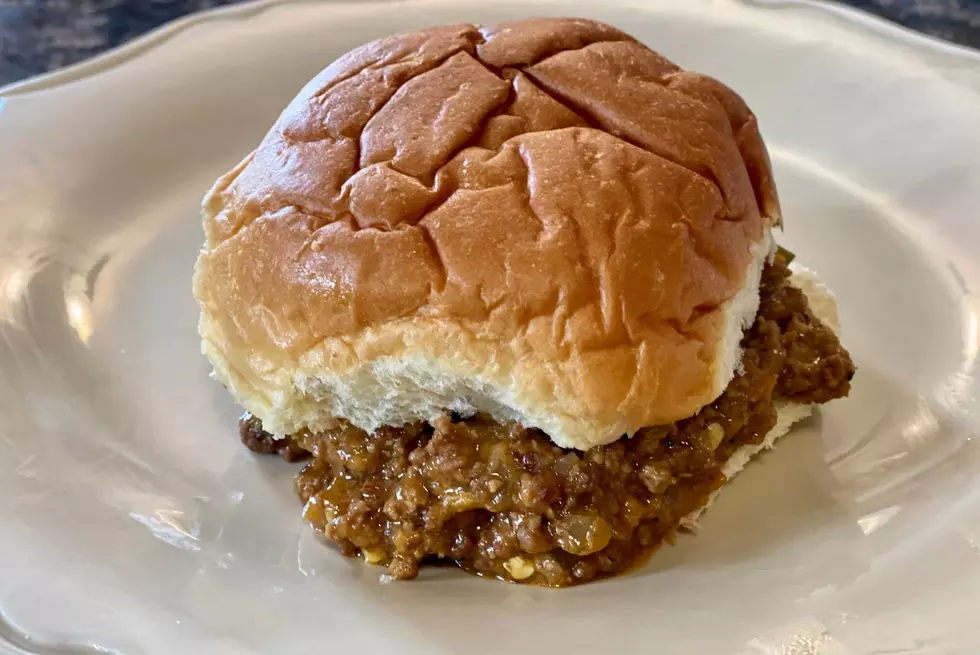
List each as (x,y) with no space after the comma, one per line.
(543,220)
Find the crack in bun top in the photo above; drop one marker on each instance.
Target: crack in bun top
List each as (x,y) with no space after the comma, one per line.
(543,219)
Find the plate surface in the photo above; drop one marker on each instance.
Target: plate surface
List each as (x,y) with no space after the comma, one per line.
(133,521)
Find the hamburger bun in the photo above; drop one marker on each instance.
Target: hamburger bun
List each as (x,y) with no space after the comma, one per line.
(545,221)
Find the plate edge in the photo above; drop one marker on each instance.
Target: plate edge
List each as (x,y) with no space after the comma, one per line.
(881,27)
(877,27)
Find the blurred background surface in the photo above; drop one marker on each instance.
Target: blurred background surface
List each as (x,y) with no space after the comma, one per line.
(42,35)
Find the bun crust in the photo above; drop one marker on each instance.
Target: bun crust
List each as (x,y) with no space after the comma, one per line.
(544,220)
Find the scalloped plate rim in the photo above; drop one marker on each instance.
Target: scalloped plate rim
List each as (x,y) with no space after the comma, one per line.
(146,43)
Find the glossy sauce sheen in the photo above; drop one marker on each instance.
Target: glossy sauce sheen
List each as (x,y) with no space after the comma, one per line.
(504,501)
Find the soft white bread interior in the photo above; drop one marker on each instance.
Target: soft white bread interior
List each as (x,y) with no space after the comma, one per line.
(543,220)
(823,304)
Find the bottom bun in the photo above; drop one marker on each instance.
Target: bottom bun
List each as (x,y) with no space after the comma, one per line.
(788,414)
(823,304)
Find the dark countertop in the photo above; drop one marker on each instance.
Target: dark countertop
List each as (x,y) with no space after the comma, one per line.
(42,35)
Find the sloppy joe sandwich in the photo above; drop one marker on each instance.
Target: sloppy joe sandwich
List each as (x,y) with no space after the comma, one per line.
(515,290)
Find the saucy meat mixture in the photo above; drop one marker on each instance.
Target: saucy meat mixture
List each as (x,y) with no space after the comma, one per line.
(504,501)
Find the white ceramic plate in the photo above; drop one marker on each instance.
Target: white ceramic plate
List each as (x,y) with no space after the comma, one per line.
(131,520)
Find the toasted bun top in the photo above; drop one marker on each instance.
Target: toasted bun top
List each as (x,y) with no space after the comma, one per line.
(542,219)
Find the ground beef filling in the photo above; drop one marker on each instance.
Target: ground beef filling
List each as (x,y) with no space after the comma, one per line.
(504,501)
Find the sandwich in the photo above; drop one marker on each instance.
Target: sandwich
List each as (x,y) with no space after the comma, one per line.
(515,292)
